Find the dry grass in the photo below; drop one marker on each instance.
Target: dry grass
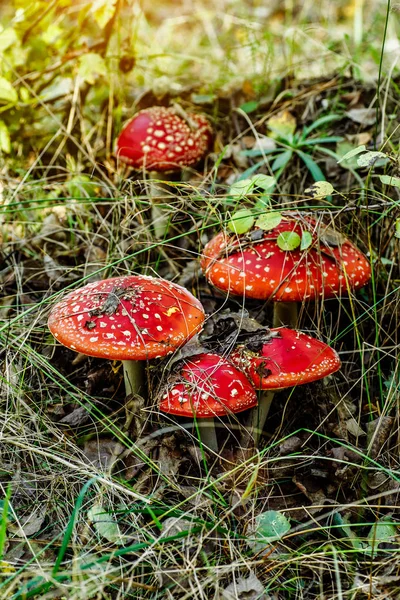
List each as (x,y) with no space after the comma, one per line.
(70,441)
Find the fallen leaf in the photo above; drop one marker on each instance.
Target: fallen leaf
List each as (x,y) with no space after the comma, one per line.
(264,143)
(245,589)
(378,433)
(282,124)
(364,116)
(353,427)
(105,524)
(31,524)
(290,445)
(103,452)
(319,190)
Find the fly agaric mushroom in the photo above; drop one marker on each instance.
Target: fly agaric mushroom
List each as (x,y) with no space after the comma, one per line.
(285,358)
(130,318)
(160,140)
(254,266)
(207,386)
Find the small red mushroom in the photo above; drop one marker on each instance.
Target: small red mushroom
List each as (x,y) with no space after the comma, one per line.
(130,318)
(159,139)
(288,358)
(208,385)
(255,267)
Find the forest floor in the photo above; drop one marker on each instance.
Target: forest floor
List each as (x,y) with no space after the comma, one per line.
(102,495)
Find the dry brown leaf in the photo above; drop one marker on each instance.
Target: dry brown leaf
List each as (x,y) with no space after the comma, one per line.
(363,116)
(31,524)
(378,432)
(245,589)
(102,452)
(290,445)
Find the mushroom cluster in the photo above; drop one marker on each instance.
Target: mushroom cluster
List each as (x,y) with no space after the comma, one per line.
(255,265)
(138,318)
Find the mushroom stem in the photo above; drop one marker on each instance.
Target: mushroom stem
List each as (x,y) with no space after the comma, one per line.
(285,314)
(133,376)
(257,417)
(207,433)
(160,215)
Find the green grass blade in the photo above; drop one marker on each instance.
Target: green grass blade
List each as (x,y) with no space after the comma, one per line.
(319,122)
(312,166)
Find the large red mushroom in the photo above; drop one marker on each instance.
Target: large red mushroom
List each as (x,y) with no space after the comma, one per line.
(131,318)
(253,265)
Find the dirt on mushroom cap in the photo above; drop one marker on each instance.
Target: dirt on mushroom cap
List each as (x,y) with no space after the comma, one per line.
(127,318)
(158,139)
(261,270)
(207,386)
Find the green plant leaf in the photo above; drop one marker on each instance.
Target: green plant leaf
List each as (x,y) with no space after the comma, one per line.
(5,142)
(203,98)
(306,240)
(81,186)
(265,182)
(344,527)
(389,180)
(5,505)
(8,95)
(282,160)
(8,37)
(397,229)
(318,123)
(105,524)
(288,240)
(369,158)
(102,11)
(319,190)
(383,531)
(258,152)
(249,107)
(312,166)
(322,140)
(353,152)
(242,187)
(241,221)
(263,203)
(91,65)
(269,220)
(270,526)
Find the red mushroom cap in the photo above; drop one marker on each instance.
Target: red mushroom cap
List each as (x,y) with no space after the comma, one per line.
(261,270)
(208,385)
(160,140)
(127,318)
(289,358)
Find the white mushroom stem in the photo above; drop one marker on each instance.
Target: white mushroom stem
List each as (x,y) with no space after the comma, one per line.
(257,417)
(207,433)
(133,376)
(160,216)
(285,314)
